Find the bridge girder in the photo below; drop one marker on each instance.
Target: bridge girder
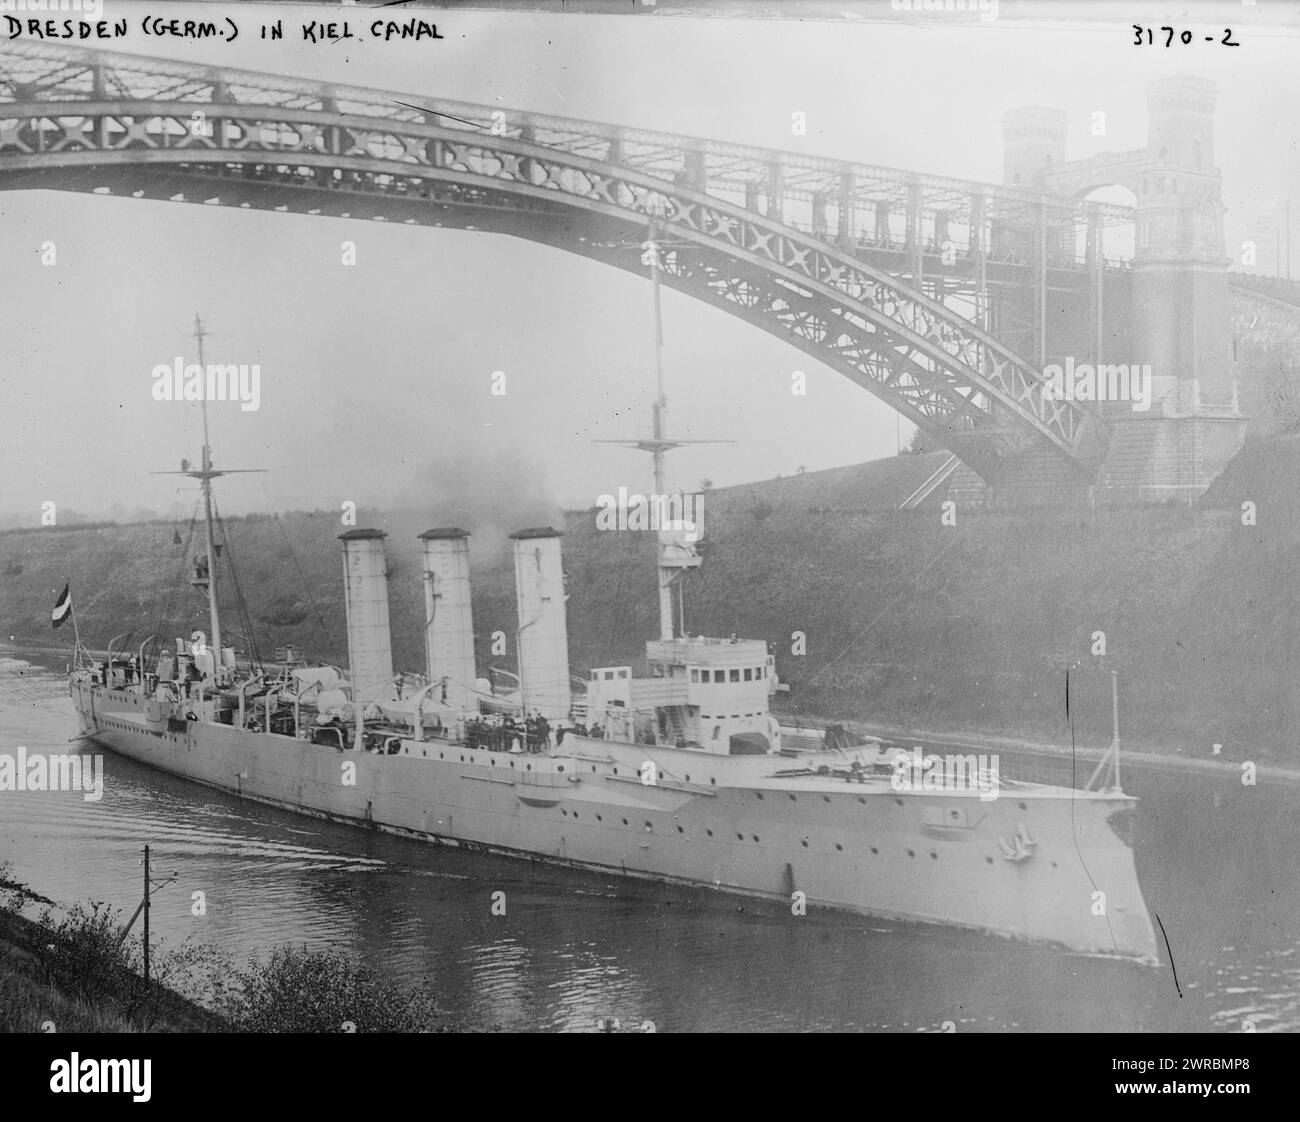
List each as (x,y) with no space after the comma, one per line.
(955,381)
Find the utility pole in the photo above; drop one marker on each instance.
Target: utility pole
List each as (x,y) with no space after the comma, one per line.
(146,916)
(149,887)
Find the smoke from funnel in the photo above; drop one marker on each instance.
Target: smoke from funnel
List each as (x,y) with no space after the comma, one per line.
(489,494)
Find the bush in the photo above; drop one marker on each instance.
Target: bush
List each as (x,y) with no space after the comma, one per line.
(83,953)
(284,611)
(88,956)
(298,990)
(14,895)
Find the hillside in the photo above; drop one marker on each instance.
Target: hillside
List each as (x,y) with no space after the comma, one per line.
(906,621)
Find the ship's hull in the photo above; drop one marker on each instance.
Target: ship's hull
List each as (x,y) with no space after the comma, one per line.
(724,822)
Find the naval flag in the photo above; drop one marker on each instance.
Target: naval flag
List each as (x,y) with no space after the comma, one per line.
(63,608)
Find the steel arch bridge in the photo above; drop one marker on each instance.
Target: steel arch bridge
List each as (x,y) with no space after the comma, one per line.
(774,238)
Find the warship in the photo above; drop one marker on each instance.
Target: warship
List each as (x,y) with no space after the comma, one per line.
(676,770)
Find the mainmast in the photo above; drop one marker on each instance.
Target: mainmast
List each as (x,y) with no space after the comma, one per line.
(657,444)
(670,568)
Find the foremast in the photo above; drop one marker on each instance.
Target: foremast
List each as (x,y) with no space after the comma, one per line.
(208,580)
(205,476)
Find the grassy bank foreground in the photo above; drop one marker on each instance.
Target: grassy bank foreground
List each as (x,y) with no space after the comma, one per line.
(32,1000)
(77,970)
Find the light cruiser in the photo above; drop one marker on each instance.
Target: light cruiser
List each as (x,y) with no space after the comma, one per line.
(679,774)
(714,813)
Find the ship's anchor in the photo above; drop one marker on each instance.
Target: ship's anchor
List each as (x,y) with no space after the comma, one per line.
(1020,847)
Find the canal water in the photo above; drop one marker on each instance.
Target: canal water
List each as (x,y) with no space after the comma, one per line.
(1217,862)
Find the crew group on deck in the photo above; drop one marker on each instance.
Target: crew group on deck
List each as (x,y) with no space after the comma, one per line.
(506,733)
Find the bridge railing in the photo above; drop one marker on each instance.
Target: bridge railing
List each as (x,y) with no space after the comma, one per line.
(939,367)
(848,203)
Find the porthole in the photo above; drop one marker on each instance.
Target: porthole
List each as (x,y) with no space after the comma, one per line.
(1022,806)
(599,818)
(826,798)
(624,821)
(740,837)
(760,795)
(839,847)
(989,860)
(911,853)
(934,855)
(648,826)
(754,836)
(793,799)
(862,800)
(804,843)
(709,832)
(593,767)
(680,830)
(899,801)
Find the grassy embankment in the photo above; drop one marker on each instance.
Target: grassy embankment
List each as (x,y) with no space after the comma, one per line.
(35,995)
(79,970)
(906,621)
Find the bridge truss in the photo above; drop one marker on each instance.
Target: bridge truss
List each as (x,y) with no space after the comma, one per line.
(858,266)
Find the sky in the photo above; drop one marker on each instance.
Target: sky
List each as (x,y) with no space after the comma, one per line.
(376,379)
